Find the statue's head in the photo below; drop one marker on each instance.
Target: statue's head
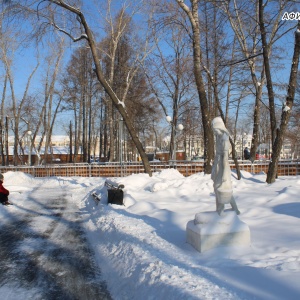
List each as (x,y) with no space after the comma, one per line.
(217,123)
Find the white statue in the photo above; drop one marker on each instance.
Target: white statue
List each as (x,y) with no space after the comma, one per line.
(221,173)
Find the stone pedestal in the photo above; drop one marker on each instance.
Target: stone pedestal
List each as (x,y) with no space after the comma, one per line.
(209,230)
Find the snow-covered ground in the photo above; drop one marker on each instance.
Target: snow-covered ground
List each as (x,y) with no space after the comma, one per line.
(141,247)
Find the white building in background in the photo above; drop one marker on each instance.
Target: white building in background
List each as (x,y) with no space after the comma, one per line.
(194,146)
(59,144)
(60,140)
(56,140)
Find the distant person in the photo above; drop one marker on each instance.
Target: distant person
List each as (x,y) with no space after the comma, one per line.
(3,192)
(246,153)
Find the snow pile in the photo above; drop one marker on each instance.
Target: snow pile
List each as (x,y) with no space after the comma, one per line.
(141,247)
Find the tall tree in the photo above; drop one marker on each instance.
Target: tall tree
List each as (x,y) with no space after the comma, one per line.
(51,79)
(287,106)
(216,49)
(87,35)
(244,18)
(193,16)
(246,33)
(7,48)
(169,72)
(80,95)
(2,123)
(122,52)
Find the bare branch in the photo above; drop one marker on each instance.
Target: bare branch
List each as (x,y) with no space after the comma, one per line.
(83,35)
(242,60)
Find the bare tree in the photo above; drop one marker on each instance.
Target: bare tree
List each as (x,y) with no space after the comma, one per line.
(122,52)
(2,124)
(244,18)
(51,79)
(192,14)
(86,34)
(247,34)
(116,27)
(216,50)
(7,51)
(293,133)
(287,106)
(81,87)
(69,19)
(170,74)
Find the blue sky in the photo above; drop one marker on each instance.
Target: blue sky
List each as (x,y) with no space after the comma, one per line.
(25,62)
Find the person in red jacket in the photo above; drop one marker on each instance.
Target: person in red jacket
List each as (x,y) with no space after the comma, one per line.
(3,192)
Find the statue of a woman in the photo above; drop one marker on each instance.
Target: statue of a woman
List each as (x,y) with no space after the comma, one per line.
(221,173)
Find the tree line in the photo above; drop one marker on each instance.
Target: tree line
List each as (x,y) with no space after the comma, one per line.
(131,63)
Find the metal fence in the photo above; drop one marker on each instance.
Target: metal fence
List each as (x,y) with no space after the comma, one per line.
(285,167)
(186,168)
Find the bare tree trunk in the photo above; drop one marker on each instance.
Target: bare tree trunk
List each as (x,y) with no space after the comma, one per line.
(90,130)
(16,107)
(1,143)
(83,144)
(241,35)
(6,142)
(71,143)
(49,117)
(286,110)
(37,128)
(266,53)
(79,141)
(206,121)
(256,120)
(2,140)
(228,94)
(101,133)
(111,132)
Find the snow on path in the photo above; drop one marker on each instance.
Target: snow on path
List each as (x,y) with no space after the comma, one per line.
(45,253)
(143,251)
(141,247)
(139,263)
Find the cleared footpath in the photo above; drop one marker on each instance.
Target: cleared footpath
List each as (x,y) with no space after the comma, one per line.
(44,253)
